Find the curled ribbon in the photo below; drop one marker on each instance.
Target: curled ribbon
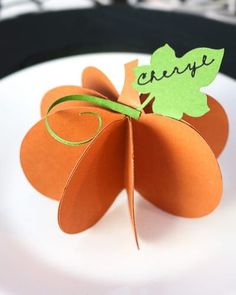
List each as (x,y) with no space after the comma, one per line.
(107,104)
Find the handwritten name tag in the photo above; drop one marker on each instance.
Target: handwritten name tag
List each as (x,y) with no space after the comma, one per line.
(174,83)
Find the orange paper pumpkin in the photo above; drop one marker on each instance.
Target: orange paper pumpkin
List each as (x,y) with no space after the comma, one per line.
(170,163)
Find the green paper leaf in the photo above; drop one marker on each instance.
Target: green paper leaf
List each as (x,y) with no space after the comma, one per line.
(174,82)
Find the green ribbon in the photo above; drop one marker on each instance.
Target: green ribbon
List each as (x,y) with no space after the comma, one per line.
(107,104)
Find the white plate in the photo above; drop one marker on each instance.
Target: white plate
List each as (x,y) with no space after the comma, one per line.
(177,256)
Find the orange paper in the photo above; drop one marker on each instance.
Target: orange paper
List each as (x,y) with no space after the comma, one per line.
(213,126)
(170,163)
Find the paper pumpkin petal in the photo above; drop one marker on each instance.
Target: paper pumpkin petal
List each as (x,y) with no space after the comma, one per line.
(62,91)
(175,168)
(93,78)
(129,177)
(213,126)
(48,163)
(95,181)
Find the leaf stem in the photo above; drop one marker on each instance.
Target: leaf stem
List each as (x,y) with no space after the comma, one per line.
(146,101)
